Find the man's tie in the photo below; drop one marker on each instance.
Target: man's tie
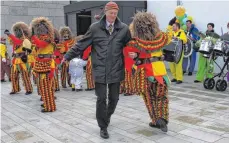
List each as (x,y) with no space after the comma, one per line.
(110,28)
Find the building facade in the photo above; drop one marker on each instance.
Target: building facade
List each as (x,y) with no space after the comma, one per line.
(14,11)
(80,15)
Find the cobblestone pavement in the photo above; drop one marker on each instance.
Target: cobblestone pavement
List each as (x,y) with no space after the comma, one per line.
(196,115)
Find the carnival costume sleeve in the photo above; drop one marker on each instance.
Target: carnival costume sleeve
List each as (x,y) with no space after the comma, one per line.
(80,46)
(39,43)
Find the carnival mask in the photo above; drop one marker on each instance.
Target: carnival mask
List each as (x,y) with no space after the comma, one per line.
(18,32)
(41,29)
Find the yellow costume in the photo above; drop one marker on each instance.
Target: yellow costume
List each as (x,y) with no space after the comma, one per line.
(19,62)
(176,69)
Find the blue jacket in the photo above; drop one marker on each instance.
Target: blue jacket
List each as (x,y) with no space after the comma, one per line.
(193,32)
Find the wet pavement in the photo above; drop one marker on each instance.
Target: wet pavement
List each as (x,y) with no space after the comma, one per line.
(197,115)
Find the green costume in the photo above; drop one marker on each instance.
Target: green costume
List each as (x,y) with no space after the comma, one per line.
(205,67)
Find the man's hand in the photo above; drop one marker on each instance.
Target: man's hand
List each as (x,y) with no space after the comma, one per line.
(7,32)
(132,55)
(4,60)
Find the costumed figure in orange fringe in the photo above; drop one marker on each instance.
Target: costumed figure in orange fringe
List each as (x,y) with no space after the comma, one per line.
(127,86)
(43,38)
(57,58)
(89,77)
(67,41)
(151,79)
(21,49)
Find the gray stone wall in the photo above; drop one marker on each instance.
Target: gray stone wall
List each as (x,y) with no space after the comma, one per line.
(14,11)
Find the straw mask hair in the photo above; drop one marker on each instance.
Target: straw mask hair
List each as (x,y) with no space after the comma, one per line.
(145,26)
(41,26)
(21,29)
(66,32)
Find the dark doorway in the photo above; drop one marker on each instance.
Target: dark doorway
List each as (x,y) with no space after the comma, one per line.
(83,22)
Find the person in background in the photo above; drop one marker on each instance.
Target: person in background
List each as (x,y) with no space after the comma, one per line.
(192,34)
(5,61)
(76,71)
(205,67)
(176,69)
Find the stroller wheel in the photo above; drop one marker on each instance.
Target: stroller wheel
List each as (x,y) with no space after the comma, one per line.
(206,83)
(211,83)
(223,85)
(218,84)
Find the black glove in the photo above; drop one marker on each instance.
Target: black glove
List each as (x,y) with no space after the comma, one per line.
(172,21)
(33,31)
(7,32)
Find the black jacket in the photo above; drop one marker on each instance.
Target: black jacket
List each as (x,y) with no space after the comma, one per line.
(107,50)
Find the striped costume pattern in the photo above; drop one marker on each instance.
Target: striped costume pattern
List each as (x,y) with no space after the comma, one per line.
(127,86)
(15,71)
(65,77)
(154,94)
(89,77)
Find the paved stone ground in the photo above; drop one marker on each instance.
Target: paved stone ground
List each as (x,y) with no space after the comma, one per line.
(196,115)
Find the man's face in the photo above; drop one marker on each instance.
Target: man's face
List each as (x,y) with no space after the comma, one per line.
(210,28)
(175,28)
(111,15)
(188,24)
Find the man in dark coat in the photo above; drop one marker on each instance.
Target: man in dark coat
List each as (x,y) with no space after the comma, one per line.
(108,37)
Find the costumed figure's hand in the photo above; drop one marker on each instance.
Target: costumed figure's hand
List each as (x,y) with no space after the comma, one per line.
(7,32)
(132,55)
(172,21)
(4,60)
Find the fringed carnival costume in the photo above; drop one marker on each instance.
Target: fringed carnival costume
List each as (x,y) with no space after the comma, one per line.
(151,79)
(67,41)
(89,77)
(57,58)
(21,49)
(43,38)
(127,86)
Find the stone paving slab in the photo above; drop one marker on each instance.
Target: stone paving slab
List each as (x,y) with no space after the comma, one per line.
(197,115)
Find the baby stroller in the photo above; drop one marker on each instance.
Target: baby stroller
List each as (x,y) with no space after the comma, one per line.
(220,49)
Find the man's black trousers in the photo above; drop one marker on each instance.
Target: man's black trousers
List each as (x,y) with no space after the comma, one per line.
(104,111)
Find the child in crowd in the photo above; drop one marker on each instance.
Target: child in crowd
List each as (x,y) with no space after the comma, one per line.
(76,71)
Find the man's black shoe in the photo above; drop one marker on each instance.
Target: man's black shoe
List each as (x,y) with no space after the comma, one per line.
(196,81)
(174,80)
(184,72)
(190,73)
(104,134)
(73,89)
(3,80)
(162,124)
(179,82)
